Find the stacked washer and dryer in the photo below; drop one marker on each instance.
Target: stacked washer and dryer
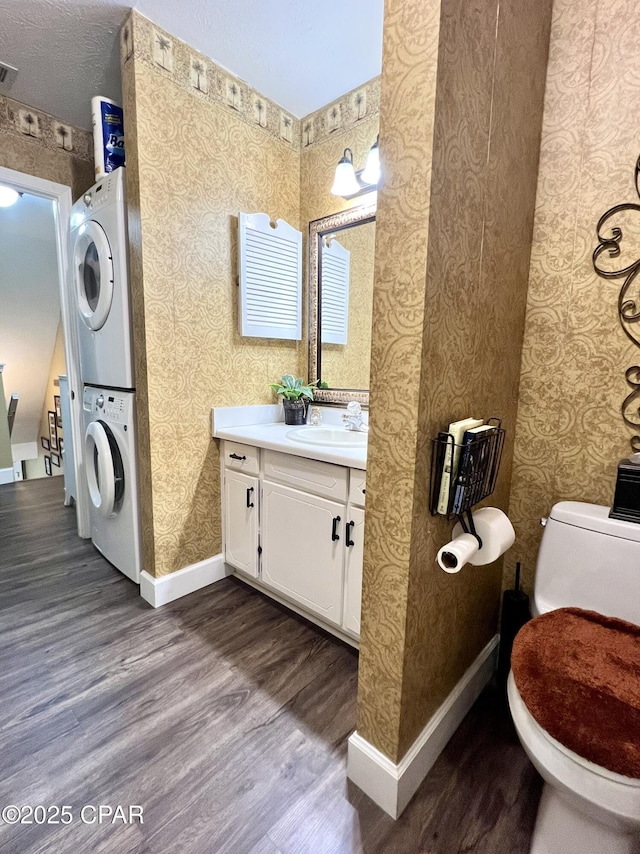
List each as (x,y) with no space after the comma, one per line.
(99,240)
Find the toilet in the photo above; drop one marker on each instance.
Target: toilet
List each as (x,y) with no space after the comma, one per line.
(588,570)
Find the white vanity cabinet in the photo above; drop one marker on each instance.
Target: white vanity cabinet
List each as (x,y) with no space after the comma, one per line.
(303,538)
(302,531)
(353,570)
(241,489)
(354,544)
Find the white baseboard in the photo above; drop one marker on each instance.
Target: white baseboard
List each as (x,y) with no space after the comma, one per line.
(392,786)
(159,591)
(6,475)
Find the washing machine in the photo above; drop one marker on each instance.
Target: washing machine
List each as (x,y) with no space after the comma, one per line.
(111,472)
(99,241)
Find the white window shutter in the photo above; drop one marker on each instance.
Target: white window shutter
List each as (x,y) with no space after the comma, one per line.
(334,308)
(270,278)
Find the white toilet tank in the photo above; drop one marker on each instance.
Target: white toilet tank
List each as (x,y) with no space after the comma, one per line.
(588,560)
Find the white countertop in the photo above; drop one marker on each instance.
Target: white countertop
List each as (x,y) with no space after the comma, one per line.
(273,436)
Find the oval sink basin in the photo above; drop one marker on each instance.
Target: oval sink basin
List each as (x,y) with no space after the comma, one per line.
(332,437)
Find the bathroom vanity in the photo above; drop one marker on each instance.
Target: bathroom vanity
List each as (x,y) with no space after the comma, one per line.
(293,517)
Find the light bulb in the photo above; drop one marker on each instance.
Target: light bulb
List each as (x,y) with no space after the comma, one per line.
(345,182)
(371,172)
(8,196)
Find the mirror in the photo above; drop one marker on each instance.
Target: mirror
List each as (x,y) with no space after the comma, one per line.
(341,260)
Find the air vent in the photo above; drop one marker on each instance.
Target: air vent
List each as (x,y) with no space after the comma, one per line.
(8,75)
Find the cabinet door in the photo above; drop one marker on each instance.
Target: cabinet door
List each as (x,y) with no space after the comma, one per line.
(241,521)
(300,557)
(353,569)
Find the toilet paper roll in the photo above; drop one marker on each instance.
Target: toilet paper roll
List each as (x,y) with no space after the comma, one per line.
(497,535)
(108,135)
(455,554)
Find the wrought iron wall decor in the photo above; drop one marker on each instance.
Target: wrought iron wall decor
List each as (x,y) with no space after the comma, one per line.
(628,309)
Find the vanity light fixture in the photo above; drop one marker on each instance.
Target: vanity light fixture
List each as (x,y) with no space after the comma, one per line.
(349,183)
(371,171)
(8,196)
(345,182)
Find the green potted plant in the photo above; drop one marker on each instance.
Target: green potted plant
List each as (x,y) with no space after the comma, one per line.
(295,398)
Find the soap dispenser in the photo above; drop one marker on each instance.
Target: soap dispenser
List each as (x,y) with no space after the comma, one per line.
(315,418)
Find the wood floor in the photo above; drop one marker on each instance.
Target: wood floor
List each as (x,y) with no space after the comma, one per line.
(222,715)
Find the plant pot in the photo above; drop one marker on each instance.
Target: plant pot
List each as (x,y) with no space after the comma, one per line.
(295,411)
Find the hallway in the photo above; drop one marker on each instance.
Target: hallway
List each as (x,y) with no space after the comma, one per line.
(223,715)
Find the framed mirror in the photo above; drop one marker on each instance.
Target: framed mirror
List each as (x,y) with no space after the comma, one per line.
(341,260)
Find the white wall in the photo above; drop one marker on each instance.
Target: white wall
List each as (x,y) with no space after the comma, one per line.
(29,308)
(5,441)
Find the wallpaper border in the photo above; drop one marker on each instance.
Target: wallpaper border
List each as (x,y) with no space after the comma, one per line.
(202,77)
(45,130)
(360,104)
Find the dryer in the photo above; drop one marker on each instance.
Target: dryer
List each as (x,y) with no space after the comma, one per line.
(111,472)
(99,241)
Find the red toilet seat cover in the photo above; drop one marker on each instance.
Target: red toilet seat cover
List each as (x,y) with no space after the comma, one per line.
(578,673)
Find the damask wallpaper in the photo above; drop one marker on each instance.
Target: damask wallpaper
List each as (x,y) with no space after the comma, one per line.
(37,143)
(569,434)
(201,146)
(407,118)
(194,163)
(461,111)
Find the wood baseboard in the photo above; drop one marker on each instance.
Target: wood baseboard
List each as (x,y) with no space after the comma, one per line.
(166,588)
(392,786)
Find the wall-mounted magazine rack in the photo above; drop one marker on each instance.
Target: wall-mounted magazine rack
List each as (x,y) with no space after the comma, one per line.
(464,474)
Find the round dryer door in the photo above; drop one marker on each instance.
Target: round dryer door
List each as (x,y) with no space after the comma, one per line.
(94,274)
(105,471)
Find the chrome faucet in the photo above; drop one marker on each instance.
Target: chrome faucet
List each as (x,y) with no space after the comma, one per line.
(354,419)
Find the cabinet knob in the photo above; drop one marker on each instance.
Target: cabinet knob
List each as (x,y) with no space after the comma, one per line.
(249,501)
(334,529)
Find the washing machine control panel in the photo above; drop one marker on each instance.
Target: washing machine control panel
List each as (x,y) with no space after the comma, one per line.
(108,404)
(108,191)
(114,407)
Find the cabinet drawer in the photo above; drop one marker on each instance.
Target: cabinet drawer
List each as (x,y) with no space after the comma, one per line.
(241,457)
(357,484)
(323,479)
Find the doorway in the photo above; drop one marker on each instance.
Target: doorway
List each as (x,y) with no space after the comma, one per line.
(38,337)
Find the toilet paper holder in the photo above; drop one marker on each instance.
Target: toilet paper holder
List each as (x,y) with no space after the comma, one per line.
(468,525)
(465,473)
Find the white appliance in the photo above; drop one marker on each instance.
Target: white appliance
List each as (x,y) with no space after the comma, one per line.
(588,561)
(111,472)
(99,240)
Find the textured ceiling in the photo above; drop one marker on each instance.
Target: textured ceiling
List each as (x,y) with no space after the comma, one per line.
(299,53)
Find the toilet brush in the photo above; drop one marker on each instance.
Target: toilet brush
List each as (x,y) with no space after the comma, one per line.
(515,613)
